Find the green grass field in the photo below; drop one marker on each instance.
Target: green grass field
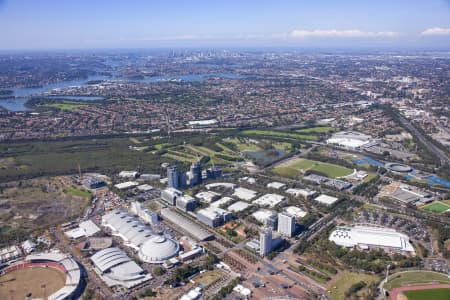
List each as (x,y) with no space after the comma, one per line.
(30,280)
(437,206)
(433,294)
(345,280)
(319,129)
(281,134)
(242,145)
(65,105)
(294,167)
(415,278)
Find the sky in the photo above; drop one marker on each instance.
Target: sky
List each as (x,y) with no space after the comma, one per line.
(126,24)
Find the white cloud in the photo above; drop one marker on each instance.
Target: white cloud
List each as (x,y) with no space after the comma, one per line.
(351,33)
(436,31)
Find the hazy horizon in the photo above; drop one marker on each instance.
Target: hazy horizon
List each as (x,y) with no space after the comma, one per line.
(350,24)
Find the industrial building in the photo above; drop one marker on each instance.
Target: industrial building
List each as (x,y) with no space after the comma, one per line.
(214,216)
(115,268)
(270,200)
(151,248)
(371,237)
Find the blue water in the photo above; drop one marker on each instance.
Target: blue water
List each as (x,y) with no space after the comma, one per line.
(433,180)
(369,160)
(22,95)
(79,98)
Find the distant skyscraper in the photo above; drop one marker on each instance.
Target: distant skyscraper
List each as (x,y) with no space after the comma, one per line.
(173,177)
(196,170)
(286,224)
(265,242)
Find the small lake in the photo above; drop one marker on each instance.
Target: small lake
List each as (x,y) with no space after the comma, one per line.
(22,95)
(265,157)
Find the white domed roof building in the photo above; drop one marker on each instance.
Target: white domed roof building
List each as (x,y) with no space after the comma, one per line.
(151,247)
(158,249)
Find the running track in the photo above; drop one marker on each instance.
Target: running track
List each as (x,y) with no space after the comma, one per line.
(395,292)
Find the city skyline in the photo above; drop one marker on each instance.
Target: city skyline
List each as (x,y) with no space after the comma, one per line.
(270,24)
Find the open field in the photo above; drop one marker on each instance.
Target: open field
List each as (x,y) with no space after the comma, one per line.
(243,144)
(280,134)
(345,280)
(434,294)
(318,129)
(295,167)
(30,280)
(437,206)
(415,278)
(30,204)
(64,105)
(32,159)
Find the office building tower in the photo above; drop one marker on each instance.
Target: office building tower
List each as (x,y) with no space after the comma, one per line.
(286,224)
(265,242)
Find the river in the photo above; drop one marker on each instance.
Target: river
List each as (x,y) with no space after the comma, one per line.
(20,96)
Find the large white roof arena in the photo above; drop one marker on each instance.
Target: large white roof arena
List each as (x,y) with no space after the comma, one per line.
(152,248)
(117,269)
(366,237)
(349,139)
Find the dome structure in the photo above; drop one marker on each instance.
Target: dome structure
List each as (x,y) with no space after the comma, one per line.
(158,249)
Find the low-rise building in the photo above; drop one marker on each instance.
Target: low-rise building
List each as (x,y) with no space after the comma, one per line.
(270,200)
(214,216)
(276,185)
(244,194)
(238,206)
(326,200)
(267,217)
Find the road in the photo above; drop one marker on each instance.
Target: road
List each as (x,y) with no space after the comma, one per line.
(438,152)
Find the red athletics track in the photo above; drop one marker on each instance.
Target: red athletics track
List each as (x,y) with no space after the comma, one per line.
(395,292)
